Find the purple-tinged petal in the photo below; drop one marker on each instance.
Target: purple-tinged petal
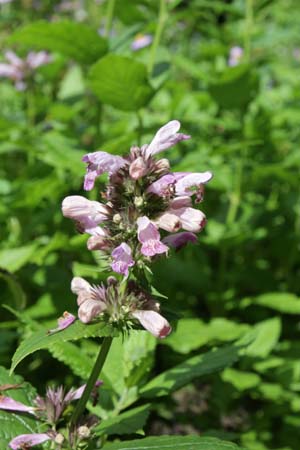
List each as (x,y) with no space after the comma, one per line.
(37,59)
(122,256)
(14,59)
(235,56)
(169,222)
(77,207)
(140,41)
(164,186)
(7,70)
(188,184)
(149,237)
(153,322)
(166,137)
(24,441)
(90,309)
(9,404)
(146,230)
(98,163)
(64,322)
(179,240)
(191,219)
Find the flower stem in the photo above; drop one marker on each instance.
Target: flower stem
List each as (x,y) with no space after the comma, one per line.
(109,17)
(92,380)
(248,28)
(162,16)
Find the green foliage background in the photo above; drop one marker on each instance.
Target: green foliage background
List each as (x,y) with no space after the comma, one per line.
(242,277)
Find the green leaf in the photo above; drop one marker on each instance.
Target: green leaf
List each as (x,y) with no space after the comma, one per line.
(42,339)
(267,335)
(192,368)
(14,258)
(19,297)
(235,88)
(121,82)
(173,442)
(13,424)
(191,334)
(126,423)
(240,380)
(72,39)
(283,302)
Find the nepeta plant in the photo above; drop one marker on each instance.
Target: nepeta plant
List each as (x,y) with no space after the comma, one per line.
(145,211)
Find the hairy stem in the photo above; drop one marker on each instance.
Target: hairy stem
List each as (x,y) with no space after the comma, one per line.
(92,380)
(162,16)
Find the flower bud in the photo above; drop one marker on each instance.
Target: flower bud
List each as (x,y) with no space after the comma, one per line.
(162,166)
(138,168)
(83,432)
(138,201)
(117,218)
(59,439)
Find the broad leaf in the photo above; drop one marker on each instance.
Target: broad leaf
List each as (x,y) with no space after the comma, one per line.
(13,424)
(267,335)
(42,339)
(173,442)
(74,40)
(235,88)
(283,302)
(191,334)
(16,291)
(192,368)
(126,423)
(121,82)
(14,258)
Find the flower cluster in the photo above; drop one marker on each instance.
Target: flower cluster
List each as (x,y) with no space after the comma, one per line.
(48,409)
(146,210)
(18,70)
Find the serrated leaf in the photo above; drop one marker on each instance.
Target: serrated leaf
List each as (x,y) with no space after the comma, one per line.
(187,371)
(13,424)
(120,82)
(72,39)
(41,339)
(173,442)
(126,423)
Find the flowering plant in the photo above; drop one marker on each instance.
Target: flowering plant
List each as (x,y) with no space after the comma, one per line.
(142,197)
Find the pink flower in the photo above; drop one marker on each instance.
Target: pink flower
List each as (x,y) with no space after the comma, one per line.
(166,137)
(153,322)
(91,299)
(141,41)
(149,237)
(87,213)
(179,240)
(169,222)
(18,69)
(122,259)
(192,183)
(164,186)
(235,56)
(98,242)
(64,322)
(37,59)
(28,440)
(98,163)
(9,404)
(191,219)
